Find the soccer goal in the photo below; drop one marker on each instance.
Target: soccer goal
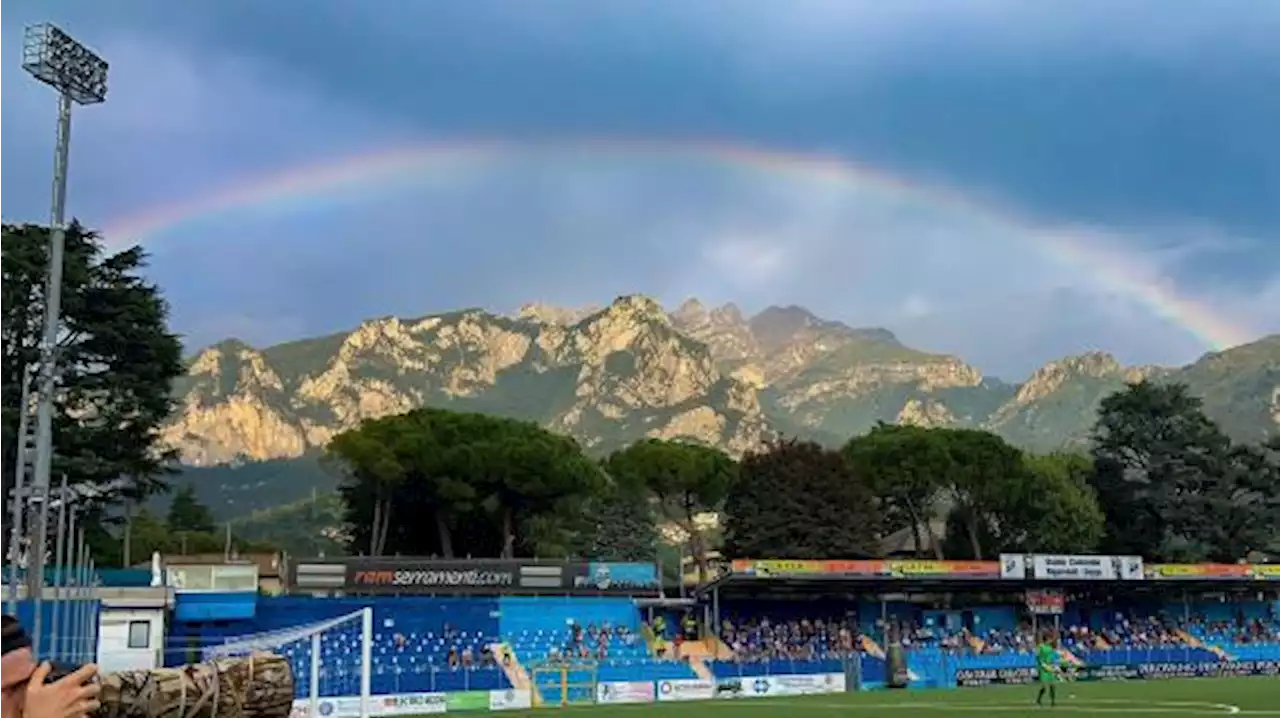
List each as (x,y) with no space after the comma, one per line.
(564,682)
(331,663)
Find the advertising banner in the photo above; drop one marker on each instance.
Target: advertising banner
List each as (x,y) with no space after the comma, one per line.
(400,704)
(1046,602)
(1086,568)
(799,685)
(685,689)
(614,577)
(1141,671)
(407,704)
(406,575)
(402,575)
(1213,572)
(877,569)
(326,708)
(467,701)
(624,692)
(783,685)
(1013,566)
(511,699)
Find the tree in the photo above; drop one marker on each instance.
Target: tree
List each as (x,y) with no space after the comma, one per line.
(186,513)
(622,526)
(372,455)
(1246,504)
(1168,479)
(904,467)
(1057,512)
(525,471)
(497,486)
(686,479)
(116,359)
(147,535)
(983,472)
(796,499)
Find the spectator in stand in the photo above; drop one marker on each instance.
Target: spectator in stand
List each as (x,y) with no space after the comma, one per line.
(690,625)
(803,639)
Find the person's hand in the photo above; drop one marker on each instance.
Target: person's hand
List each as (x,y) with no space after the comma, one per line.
(72,696)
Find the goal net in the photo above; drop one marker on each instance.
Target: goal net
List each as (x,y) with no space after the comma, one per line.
(331,661)
(566,682)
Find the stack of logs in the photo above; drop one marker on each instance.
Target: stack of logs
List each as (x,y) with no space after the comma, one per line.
(255,686)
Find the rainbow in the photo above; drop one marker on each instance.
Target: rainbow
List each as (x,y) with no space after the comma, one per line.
(1083,251)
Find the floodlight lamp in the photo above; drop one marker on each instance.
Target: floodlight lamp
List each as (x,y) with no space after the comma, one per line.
(56,59)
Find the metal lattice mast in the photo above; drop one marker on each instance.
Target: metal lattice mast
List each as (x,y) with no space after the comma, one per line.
(54,58)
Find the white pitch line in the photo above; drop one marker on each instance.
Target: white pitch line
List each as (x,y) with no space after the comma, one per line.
(1092,707)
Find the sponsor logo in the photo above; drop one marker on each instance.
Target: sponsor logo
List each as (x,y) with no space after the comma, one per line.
(731,687)
(1141,671)
(436,577)
(618,576)
(326,708)
(686,690)
(509,699)
(414,700)
(626,692)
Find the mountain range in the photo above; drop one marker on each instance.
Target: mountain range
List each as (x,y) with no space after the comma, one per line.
(611,375)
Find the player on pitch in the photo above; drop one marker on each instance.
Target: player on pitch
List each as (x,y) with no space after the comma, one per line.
(1047,664)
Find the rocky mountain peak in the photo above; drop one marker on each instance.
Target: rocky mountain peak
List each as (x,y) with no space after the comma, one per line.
(628,371)
(775,326)
(1052,376)
(727,314)
(550,314)
(692,314)
(633,307)
(690,311)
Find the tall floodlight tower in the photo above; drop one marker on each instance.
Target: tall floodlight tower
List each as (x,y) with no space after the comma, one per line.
(79,76)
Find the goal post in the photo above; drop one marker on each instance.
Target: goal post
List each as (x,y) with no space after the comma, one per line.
(332,661)
(566,682)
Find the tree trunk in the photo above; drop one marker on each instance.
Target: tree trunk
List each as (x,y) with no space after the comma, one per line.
(508,532)
(386,526)
(127,561)
(257,686)
(933,540)
(915,529)
(971,524)
(696,546)
(375,529)
(446,536)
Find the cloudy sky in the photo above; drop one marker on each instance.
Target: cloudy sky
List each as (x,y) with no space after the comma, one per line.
(1008,181)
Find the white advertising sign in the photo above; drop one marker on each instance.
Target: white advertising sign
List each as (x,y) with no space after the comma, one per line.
(1087,568)
(801,685)
(510,700)
(344,707)
(1013,566)
(407,704)
(400,704)
(686,689)
(624,692)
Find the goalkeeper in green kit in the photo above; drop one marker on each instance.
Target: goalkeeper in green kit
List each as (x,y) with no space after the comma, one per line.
(1047,665)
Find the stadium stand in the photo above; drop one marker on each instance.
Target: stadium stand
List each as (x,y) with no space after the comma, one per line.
(564,646)
(459,644)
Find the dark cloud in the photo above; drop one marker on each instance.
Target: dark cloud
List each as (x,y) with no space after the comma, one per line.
(1149,123)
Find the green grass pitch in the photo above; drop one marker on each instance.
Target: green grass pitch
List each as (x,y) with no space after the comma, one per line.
(1173,698)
